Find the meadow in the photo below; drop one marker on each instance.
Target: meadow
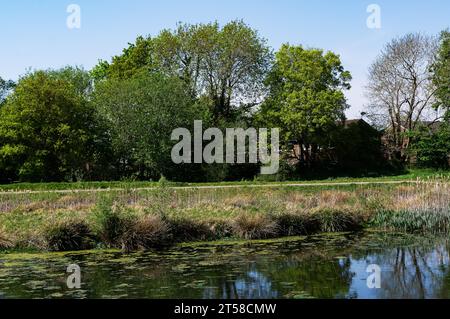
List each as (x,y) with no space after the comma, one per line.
(409,175)
(131,218)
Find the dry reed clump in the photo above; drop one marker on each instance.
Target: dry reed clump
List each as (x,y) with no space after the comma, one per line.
(5,240)
(256,226)
(185,230)
(372,203)
(240,201)
(295,224)
(330,220)
(334,198)
(147,232)
(69,235)
(74,202)
(408,201)
(297,197)
(30,240)
(221,228)
(433,198)
(34,206)
(301,203)
(423,207)
(293,207)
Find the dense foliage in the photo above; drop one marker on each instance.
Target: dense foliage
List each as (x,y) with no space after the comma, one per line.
(115,121)
(306,98)
(141,113)
(442,72)
(228,64)
(431,147)
(48,131)
(431,143)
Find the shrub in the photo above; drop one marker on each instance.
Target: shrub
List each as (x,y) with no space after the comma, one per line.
(332,220)
(110,221)
(145,233)
(290,224)
(254,227)
(69,235)
(221,229)
(185,230)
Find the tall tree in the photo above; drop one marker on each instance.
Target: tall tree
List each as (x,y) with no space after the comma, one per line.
(306,96)
(136,57)
(46,128)
(401,91)
(441,68)
(141,112)
(226,64)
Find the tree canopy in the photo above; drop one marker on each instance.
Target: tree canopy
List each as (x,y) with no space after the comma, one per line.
(306,96)
(227,64)
(441,76)
(141,113)
(400,89)
(46,126)
(116,121)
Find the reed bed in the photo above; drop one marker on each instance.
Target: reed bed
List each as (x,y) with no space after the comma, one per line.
(135,220)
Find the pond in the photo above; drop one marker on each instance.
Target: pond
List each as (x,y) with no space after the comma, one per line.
(323,266)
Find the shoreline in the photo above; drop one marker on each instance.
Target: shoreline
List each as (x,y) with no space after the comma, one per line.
(164,216)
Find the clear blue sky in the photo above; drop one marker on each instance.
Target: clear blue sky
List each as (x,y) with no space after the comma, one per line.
(35,35)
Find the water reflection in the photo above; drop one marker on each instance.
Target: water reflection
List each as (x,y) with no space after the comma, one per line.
(316,267)
(413,272)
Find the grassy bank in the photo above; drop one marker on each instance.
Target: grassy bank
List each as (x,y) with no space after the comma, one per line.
(145,219)
(36,187)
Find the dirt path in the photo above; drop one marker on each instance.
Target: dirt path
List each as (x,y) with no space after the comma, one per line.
(98,190)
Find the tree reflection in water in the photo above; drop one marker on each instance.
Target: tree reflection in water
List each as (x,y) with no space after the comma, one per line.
(319,267)
(416,272)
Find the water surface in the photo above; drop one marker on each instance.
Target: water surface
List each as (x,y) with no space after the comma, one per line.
(325,266)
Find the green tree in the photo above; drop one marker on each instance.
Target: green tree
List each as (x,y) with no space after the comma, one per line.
(5,88)
(227,64)
(135,58)
(441,78)
(431,146)
(79,79)
(47,128)
(306,97)
(141,113)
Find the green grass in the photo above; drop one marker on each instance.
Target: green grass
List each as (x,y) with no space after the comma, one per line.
(123,217)
(411,175)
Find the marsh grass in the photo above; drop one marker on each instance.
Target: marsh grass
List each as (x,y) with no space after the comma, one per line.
(70,236)
(5,243)
(256,226)
(110,221)
(143,219)
(414,221)
(290,224)
(188,230)
(334,220)
(422,208)
(148,232)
